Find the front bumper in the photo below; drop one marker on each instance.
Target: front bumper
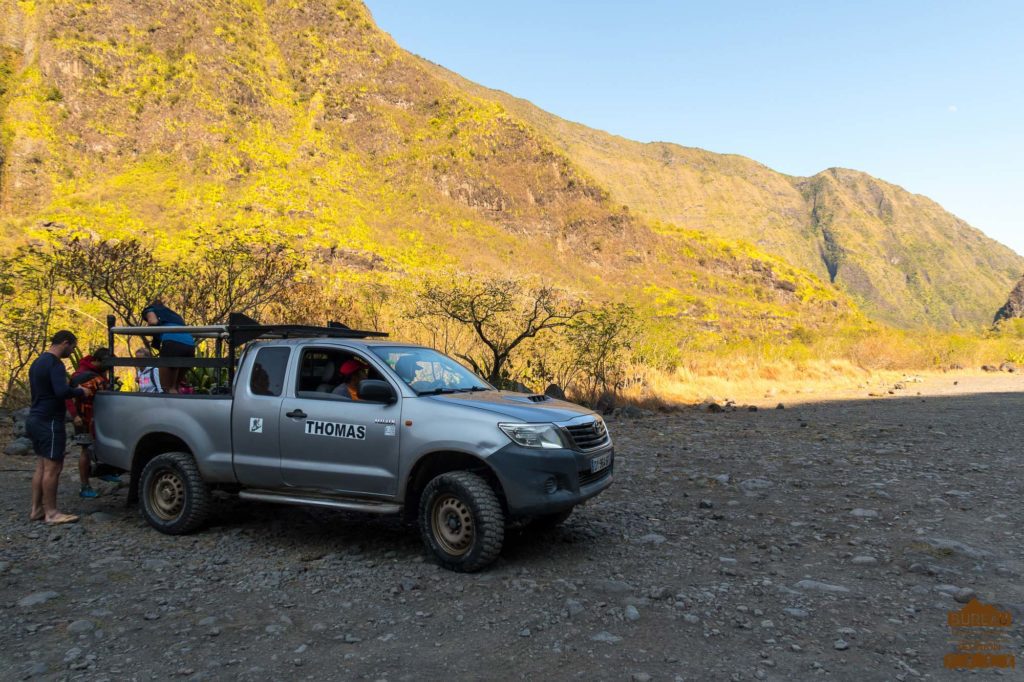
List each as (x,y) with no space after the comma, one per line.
(526,476)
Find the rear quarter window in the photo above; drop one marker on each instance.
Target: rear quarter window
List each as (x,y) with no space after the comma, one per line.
(268,371)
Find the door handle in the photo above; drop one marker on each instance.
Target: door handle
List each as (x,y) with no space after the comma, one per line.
(296,414)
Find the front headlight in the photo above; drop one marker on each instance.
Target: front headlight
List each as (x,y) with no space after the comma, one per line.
(533,435)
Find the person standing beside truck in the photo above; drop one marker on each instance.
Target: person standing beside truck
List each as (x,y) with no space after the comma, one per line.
(89,375)
(172,345)
(48,383)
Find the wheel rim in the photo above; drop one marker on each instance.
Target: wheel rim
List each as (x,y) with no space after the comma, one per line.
(167,495)
(452,523)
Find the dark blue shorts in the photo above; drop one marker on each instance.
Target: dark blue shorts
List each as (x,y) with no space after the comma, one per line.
(48,437)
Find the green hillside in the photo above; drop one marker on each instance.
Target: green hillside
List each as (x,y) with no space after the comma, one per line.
(905,259)
(168,120)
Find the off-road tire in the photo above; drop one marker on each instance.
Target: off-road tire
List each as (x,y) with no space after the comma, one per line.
(468,502)
(174,498)
(548,522)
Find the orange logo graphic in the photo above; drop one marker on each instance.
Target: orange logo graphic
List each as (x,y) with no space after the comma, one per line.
(980,631)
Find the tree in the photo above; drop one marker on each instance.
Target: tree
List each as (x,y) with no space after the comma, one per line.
(124,274)
(600,341)
(27,285)
(240,272)
(502,312)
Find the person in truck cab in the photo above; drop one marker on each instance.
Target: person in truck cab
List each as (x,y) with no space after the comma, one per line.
(172,345)
(352,371)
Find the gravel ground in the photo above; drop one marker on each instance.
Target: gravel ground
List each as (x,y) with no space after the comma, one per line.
(825,540)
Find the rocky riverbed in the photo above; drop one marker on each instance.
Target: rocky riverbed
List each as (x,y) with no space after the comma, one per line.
(826,540)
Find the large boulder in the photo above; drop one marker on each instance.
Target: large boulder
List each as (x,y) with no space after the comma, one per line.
(1014,307)
(19,447)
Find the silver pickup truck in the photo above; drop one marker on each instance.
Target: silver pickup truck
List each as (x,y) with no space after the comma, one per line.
(416,434)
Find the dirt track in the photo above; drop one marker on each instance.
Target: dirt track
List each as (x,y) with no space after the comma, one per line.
(824,540)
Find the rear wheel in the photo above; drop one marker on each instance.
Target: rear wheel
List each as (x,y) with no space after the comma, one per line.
(175,499)
(461,521)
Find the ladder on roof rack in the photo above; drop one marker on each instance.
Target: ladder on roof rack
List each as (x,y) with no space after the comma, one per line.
(239,330)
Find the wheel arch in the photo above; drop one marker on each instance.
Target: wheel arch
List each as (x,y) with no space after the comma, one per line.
(148,447)
(434,464)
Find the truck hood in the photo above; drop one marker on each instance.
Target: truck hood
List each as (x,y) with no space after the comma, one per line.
(515,406)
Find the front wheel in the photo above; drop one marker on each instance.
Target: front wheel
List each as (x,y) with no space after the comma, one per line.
(175,499)
(461,521)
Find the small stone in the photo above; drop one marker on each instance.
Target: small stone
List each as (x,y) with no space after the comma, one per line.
(707,504)
(152,615)
(632,614)
(101,517)
(780,406)
(80,626)
(751,485)
(652,539)
(525,632)
(864,561)
(796,613)
(36,669)
(605,636)
(573,607)
(207,622)
(274,629)
(38,598)
(640,677)
(841,645)
(964,595)
(819,586)
(864,513)
(729,561)
(691,618)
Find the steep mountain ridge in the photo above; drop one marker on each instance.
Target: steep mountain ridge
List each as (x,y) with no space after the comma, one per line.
(904,258)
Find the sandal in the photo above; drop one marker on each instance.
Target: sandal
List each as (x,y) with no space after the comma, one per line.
(63,518)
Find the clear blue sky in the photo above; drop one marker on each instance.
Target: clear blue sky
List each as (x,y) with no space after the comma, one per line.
(927,95)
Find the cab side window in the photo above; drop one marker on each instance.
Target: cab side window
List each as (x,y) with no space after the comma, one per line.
(268,371)
(320,372)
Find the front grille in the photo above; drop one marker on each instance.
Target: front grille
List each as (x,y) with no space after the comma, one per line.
(586,478)
(588,436)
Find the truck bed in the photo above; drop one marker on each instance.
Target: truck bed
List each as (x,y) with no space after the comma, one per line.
(201,422)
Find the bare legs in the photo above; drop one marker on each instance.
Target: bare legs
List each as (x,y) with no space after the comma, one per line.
(44,492)
(169,378)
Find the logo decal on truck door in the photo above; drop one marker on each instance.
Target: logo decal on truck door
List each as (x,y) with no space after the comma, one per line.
(317,428)
(255,425)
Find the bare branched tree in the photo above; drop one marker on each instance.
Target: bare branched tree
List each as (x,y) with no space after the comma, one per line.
(27,285)
(123,274)
(235,275)
(502,312)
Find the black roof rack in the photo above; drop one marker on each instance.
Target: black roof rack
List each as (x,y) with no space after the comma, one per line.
(239,330)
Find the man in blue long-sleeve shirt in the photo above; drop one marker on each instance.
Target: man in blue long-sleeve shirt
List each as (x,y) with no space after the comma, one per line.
(48,382)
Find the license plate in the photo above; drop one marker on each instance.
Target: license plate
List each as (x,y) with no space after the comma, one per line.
(601,462)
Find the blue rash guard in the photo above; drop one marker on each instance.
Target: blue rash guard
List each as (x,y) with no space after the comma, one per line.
(168,318)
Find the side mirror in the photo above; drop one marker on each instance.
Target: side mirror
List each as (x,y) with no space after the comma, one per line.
(377,391)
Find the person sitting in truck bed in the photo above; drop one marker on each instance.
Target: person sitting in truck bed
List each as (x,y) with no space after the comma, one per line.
(174,345)
(352,371)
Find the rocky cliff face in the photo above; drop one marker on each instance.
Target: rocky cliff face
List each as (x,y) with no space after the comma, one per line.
(1014,306)
(900,255)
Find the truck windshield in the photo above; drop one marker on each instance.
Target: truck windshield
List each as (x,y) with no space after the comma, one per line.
(427,371)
